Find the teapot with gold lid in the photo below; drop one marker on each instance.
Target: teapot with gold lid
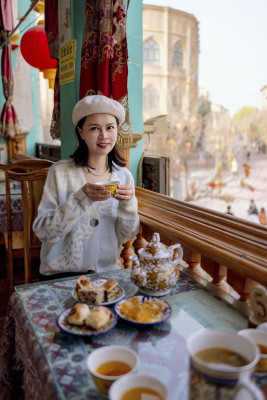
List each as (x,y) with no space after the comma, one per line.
(154,271)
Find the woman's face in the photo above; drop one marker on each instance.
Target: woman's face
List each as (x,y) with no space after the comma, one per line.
(99,132)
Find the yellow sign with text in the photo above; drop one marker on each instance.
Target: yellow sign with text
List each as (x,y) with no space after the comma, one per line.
(67,55)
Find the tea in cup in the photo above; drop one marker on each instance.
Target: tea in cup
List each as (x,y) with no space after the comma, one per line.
(259,337)
(108,363)
(137,387)
(109,185)
(221,366)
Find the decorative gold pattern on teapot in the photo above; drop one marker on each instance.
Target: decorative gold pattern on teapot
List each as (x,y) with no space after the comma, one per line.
(154,271)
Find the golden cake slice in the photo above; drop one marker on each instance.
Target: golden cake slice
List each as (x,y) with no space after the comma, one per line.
(111,289)
(92,294)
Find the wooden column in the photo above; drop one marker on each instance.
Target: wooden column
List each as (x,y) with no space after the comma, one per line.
(241,284)
(140,242)
(193,259)
(126,253)
(217,271)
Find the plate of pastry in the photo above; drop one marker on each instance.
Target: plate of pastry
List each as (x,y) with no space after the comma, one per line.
(143,310)
(84,320)
(100,291)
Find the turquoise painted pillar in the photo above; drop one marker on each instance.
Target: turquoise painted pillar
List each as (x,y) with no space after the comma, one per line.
(69,93)
(33,135)
(135,78)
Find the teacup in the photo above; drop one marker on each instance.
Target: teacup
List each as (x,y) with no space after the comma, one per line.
(229,379)
(108,363)
(259,337)
(263,326)
(109,185)
(130,387)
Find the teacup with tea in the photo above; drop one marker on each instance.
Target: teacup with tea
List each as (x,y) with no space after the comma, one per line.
(259,337)
(138,387)
(109,185)
(222,365)
(108,363)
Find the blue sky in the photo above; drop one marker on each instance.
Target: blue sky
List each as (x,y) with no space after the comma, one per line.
(233,48)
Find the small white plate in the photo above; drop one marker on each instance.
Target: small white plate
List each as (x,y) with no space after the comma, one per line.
(165,314)
(84,330)
(100,282)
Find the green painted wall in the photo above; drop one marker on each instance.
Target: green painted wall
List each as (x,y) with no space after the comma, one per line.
(69,93)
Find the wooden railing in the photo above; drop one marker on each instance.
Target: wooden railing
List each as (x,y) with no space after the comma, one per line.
(229,251)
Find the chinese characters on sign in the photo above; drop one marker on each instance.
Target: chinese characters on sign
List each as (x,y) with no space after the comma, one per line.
(67,55)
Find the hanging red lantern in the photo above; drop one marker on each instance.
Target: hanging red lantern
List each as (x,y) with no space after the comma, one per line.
(35,51)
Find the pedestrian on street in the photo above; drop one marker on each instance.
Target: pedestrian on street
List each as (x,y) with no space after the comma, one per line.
(229,210)
(262,216)
(252,208)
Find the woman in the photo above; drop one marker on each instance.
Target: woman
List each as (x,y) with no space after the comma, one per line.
(81,226)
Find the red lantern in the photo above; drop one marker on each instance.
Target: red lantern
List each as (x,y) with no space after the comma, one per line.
(35,50)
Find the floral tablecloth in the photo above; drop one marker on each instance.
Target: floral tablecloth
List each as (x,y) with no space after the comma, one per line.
(50,364)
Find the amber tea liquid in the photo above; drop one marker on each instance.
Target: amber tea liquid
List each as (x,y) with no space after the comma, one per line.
(113,368)
(137,393)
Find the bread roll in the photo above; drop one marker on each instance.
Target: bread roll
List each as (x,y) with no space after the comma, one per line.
(98,317)
(78,314)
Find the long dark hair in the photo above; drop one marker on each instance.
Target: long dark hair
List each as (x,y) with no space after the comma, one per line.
(80,155)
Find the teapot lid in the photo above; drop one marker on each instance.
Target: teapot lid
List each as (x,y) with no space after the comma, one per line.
(155,249)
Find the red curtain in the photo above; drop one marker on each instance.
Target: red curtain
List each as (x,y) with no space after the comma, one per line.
(104,68)
(51,28)
(8,119)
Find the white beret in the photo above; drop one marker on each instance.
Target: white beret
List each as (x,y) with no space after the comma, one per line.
(96,104)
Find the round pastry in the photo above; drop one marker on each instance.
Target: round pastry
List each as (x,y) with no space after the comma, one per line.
(78,314)
(98,317)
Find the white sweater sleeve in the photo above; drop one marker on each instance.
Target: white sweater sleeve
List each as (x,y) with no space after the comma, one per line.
(128,219)
(55,221)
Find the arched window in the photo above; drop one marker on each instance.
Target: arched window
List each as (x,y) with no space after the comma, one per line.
(151,99)
(151,52)
(176,99)
(177,56)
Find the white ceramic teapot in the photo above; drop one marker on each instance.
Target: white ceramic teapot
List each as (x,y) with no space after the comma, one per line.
(155,272)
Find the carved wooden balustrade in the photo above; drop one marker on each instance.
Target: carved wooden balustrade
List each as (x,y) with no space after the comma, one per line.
(229,251)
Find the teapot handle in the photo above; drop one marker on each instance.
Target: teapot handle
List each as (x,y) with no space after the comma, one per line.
(180,253)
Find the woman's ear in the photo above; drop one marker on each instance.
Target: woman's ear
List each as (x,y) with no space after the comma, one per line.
(80,132)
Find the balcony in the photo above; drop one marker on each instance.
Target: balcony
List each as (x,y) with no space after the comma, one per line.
(226,254)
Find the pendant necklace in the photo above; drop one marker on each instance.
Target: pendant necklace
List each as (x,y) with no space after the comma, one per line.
(90,171)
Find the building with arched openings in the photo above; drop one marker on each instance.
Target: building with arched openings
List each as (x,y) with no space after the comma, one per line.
(170,57)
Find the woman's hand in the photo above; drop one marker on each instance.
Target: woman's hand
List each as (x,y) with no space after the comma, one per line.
(96,192)
(124,193)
